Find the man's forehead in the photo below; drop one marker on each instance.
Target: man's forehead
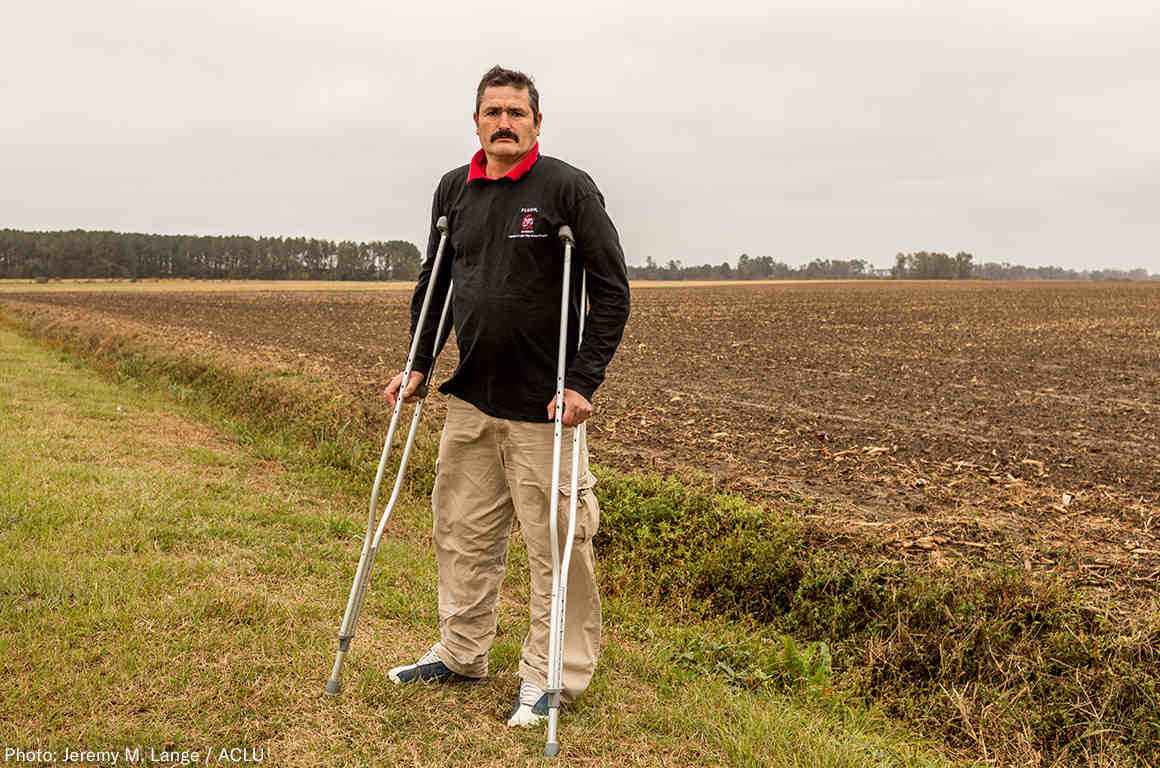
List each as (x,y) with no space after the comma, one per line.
(505,96)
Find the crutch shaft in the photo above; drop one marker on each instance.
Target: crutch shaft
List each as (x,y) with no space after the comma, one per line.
(556,670)
(557,436)
(366,562)
(561,563)
(372,536)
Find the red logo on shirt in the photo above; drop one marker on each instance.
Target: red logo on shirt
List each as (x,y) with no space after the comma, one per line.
(525,225)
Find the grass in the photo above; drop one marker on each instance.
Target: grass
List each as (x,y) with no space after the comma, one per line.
(172,578)
(989,658)
(994,663)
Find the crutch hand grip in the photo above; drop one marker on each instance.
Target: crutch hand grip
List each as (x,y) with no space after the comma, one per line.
(566,235)
(441,224)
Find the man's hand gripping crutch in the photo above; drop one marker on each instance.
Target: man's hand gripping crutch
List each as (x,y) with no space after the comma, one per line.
(561,562)
(374,534)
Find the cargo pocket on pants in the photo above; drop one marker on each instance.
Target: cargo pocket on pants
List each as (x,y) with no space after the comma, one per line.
(587,510)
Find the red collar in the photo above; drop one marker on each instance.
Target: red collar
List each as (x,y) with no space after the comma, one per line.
(478,167)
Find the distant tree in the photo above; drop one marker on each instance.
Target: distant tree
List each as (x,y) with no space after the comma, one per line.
(901,267)
(743,267)
(963,265)
(403,260)
(932,265)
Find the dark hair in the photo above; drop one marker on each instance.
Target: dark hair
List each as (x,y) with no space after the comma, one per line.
(498,76)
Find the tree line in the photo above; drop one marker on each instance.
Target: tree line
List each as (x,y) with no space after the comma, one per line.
(920,265)
(82,254)
(993,271)
(751,268)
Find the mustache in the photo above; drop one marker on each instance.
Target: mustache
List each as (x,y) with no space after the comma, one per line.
(503,133)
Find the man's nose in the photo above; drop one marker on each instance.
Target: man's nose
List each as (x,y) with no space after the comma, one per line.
(505,120)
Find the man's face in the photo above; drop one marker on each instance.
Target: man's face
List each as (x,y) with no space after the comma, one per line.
(505,124)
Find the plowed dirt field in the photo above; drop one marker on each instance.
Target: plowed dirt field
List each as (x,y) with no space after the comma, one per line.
(940,422)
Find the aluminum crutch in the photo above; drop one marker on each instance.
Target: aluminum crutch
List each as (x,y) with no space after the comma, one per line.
(370,546)
(560,564)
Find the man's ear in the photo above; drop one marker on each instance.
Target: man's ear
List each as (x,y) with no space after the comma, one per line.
(539,122)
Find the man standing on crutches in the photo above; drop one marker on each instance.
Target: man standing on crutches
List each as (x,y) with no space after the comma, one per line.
(505,256)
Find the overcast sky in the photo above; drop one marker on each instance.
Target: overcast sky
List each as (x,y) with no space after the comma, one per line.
(1019,131)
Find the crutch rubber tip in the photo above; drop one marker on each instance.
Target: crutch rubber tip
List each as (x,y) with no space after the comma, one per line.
(441,224)
(333,687)
(566,234)
(551,749)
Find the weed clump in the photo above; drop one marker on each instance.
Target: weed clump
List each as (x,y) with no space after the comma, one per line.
(988,659)
(723,554)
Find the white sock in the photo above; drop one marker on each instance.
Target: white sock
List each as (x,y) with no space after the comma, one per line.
(530,693)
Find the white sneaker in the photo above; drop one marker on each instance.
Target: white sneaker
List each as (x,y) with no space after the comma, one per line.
(531,707)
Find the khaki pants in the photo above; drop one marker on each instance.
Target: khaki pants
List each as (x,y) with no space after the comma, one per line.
(489,472)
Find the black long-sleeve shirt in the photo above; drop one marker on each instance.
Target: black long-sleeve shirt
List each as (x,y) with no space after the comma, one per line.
(506,259)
